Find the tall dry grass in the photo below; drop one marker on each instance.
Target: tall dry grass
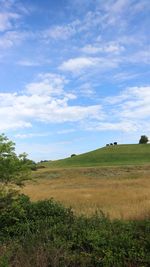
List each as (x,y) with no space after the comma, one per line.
(120,192)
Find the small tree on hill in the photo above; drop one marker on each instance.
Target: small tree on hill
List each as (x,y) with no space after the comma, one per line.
(143,139)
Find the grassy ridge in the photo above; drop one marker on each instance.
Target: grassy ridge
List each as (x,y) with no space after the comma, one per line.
(111,155)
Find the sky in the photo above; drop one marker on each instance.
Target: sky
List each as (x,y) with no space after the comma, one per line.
(74,75)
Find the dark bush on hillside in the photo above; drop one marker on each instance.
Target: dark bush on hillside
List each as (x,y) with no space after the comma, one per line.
(73,155)
(143,139)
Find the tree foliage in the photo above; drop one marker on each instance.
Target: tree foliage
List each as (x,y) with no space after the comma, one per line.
(14,170)
(143,139)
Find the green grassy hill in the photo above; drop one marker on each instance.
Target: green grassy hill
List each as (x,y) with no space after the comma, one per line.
(107,156)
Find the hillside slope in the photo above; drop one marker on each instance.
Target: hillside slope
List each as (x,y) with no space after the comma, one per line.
(107,156)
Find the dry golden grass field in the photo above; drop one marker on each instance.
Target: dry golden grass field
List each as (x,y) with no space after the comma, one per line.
(120,192)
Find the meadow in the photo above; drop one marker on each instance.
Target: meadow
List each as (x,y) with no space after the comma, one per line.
(121,192)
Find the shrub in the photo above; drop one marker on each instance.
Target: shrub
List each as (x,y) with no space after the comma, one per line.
(73,155)
(143,139)
(45,233)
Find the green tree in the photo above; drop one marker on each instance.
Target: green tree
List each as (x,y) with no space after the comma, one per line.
(14,170)
(143,139)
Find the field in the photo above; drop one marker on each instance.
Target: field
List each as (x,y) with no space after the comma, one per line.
(122,192)
(114,179)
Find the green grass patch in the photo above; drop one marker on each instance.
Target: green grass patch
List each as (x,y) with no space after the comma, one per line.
(137,154)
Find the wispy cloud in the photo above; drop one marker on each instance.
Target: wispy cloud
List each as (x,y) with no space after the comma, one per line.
(31,135)
(124,126)
(28,63)
(11,38)
(66,131)
(128,112)
(79,64)
(124,76)
(10,14)
(87,90)
(61,31)
(142,56)
(111,47)
(12,32)
(6,20)
(34,62)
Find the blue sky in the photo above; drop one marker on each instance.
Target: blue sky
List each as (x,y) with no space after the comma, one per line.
(74,75)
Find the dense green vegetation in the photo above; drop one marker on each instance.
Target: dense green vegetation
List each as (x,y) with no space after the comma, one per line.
(47,234)
(107,156)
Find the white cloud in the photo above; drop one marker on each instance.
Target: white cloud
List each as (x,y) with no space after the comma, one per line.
(10,121)
(47,101)
(79,64)
(44,101)
(49,84)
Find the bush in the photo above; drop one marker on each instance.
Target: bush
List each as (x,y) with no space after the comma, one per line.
(45,234)
(73,155)
(143,139)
